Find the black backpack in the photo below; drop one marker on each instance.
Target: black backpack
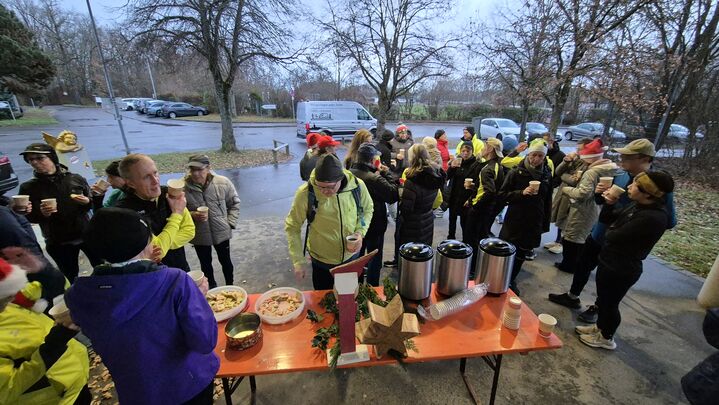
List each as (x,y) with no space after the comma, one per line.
(312,208)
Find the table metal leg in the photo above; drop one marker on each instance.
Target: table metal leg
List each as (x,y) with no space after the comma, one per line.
(229,385)
(495,363)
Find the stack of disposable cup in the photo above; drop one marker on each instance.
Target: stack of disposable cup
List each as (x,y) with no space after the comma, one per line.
(454,304)
(512,313)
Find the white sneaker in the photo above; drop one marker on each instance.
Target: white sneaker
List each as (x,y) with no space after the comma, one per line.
(557,249)
(549,244)
(587,329)
(597,340)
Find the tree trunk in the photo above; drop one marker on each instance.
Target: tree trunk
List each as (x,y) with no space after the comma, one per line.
(606,138)
(222,92)
(383,108)
(523,125)
(560,99)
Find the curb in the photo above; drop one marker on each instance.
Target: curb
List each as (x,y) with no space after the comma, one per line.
(677,268)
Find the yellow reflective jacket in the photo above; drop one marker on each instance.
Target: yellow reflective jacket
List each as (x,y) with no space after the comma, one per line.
(477,146)
(336,217)
(22,331)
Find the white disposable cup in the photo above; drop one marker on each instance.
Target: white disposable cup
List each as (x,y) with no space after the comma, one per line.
(352,241)
(49,203)
(606,181)
(615,191)
(579,173)
(20,200)
(457,162)
(393,162)
(401,153)
(534,184)
(546,324)
(196,276)
(204,210)
(175,187)
(59,310)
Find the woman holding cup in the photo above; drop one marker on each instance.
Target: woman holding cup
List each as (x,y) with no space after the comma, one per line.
(632,233)
(527,190)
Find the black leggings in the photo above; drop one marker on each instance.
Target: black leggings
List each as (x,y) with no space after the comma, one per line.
(479,223)
(204,253)
(585,264)
(571,252)
(454,213)
(612,286)
(519,259)
(66,258)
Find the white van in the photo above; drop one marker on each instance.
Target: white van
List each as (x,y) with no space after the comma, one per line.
(335,118)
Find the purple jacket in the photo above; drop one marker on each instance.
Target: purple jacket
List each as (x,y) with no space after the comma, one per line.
(153,329)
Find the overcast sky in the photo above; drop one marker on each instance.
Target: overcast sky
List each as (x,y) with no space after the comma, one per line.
(105,15)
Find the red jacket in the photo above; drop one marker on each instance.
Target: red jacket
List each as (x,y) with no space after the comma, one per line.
(444,152)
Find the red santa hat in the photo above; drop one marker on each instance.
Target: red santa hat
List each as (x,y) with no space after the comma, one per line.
(12,279)
(312,139)
(594,149)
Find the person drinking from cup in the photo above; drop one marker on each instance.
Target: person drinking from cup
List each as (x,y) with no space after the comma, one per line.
(99,189)
(60,204)
(150,323)
(527,190)
(582,213)
(163,209)
(40,362)
(215,207)
(634,158)
(632,232)
(400,145)
(335,204)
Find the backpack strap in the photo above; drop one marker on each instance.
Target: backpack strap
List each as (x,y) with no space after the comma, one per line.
(311,212)
(356,192)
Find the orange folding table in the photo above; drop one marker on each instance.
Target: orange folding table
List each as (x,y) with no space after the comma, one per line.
(476,331)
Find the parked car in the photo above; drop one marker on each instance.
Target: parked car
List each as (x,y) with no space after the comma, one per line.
(681,133)
(592,130)
(8,178)
(172,110)
(154,109)
(537,130)
(497,127)
(137,103)
(5,110)
(335,118)
(142,106)
(128,104)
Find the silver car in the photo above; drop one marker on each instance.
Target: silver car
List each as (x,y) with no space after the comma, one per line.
(591,130)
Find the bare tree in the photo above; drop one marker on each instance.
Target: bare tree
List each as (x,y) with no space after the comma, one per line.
(517,51)
(393,43)
(583,24)
(227,33)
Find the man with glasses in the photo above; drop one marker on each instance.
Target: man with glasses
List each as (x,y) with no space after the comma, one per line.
(338,209)
(215,207)
(60,204)
(636,157)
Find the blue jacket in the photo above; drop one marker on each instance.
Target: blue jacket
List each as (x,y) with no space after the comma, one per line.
(152,327)
(623,179)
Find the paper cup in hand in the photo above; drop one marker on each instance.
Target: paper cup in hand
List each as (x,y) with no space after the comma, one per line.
(468,181)
(50,203)
(175,187)
(579,173)
(393,162)
(606,181)
(20,201)
(352,241)
(196,276)
(457,162)
(615,191)
(203,210)
(59,311)
(102,184)
(534,184)
(546,324)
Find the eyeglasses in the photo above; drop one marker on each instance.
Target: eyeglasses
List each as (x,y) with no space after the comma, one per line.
(327,188)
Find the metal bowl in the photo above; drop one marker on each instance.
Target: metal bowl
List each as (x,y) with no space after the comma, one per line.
(243,331)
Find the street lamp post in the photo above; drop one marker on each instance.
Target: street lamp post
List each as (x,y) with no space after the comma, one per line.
(152,80)
(118,116)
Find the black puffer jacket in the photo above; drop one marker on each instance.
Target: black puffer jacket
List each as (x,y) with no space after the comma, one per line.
(385,149)
(457,193)
(527,215)
(307,164)
(155,213)
(383,190)
(416,219)
(71,218)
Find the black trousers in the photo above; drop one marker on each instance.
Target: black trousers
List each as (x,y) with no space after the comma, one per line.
(204,397)
(321,277)
(587,261)
(479,223)
(66,258)
(370,243)
(612,286)
(571,252)
(519,259)
(454,213)
(204,253)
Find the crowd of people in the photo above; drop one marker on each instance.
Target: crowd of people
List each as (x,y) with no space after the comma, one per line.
(608,215)
(135,237)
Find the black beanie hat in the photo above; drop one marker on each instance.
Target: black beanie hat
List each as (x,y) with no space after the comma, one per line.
(117,235)
(329,169)
(438,134)
(113,169)
(387,135)
(470,129)
(663,180)
(367,152)
(41,149)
